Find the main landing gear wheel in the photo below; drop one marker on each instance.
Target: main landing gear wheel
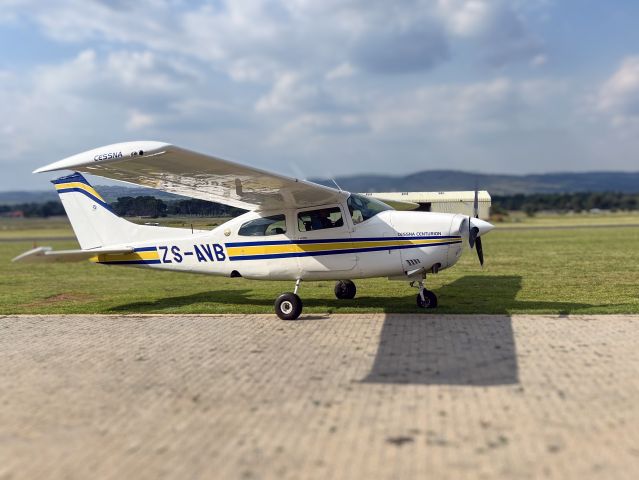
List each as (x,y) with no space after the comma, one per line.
(429,300)
(288,306)
(345,290)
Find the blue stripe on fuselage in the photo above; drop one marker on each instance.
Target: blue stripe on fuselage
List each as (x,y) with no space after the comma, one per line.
(339,252)
(333,240)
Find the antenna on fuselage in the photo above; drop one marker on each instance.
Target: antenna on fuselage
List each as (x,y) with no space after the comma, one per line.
(338,187)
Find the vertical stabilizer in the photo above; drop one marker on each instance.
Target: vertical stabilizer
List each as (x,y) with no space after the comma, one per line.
(93,221)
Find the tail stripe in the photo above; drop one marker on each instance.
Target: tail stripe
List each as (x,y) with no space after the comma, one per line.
(93,195)
(84,189)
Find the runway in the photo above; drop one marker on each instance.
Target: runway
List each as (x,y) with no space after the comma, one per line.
(335,396)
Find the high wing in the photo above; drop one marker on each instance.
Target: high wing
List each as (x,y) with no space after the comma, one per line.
(47,255)
(165,167)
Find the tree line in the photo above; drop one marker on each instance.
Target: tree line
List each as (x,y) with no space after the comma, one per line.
(565,202)
(149,206)
(45,209)
(142,206)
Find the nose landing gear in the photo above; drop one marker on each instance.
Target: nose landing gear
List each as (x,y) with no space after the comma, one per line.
(425,298)
(288,306)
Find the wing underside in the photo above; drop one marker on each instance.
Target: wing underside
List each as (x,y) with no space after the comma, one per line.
(176,170)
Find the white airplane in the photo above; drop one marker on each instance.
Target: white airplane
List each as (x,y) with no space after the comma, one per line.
(294,230)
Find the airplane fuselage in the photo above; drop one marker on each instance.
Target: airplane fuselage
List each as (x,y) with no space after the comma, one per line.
(390,244)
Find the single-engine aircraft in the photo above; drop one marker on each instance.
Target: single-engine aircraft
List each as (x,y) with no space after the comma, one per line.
(294,229)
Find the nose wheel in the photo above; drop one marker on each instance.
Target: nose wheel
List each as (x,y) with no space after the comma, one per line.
(288,306)
(426,298)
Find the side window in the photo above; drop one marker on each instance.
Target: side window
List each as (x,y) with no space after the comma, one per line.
(261,227)
(320,219)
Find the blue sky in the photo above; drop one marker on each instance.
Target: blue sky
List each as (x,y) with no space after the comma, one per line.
(328,88)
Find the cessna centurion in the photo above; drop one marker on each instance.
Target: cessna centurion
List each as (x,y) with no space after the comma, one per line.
(294,230)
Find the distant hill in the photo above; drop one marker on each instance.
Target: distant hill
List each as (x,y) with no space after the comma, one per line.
(426,181)
(442,180)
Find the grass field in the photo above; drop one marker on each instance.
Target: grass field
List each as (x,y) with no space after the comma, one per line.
(581,270)
(519,219)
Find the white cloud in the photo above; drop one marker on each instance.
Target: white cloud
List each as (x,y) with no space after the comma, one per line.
(343,70)
(365,79)
(539,60)
(291,92)
(88,99)
(247,39)
(466,18)
(453,110)
(138,120)
(618,97)
(499,27)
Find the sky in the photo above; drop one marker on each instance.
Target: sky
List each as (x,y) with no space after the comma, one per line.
(324,88)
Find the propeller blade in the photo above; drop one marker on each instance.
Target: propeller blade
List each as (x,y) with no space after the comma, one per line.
(480,251)
(472,236)
(476,203)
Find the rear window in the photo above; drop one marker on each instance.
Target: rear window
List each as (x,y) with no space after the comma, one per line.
(265,226)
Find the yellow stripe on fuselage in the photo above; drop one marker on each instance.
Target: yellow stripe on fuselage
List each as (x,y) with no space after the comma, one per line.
(82,186)
(332,246)
(127,257)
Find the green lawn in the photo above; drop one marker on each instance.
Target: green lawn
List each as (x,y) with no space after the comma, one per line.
(580,270)
(519,219)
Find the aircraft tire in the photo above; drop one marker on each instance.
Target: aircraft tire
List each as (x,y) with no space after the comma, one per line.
(430,300)
(288,306)
(345,290)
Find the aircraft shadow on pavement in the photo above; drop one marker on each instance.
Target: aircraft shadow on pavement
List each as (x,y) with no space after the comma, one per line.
(465,350)
(446,350)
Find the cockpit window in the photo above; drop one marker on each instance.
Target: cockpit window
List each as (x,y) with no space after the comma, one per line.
(264,226)
(363,208)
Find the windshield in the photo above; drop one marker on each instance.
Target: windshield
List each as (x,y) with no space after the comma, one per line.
(362,208)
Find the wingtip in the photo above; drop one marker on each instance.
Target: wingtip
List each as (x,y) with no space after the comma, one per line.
(107,153)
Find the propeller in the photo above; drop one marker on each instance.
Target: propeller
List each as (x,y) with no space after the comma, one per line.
(474,238)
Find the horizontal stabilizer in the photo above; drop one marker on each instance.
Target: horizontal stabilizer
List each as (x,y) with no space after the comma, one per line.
(48,255)
(399,204)
(442,202)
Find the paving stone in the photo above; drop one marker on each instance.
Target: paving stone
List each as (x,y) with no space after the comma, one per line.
(328,396)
